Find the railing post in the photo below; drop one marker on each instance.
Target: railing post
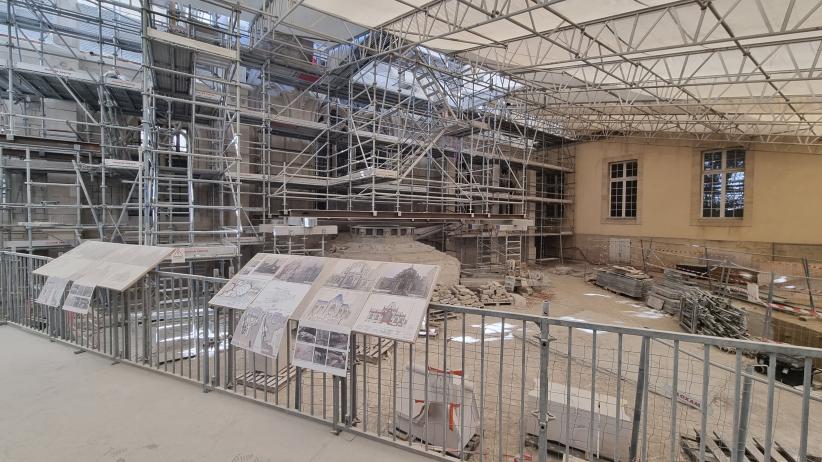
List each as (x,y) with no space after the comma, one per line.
(744,414)
(114,318)
(298,389)
(542,443)
(352,409)
(4,290)
(206,342)
(335,404)
(641,384)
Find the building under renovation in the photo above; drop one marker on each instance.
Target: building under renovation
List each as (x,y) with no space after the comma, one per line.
(571,229)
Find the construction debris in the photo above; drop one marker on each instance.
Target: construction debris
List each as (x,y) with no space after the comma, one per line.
(457,295)
(708,314)
(624,280)
(494,293)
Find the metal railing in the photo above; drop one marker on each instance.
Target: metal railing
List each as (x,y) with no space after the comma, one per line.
(480,384)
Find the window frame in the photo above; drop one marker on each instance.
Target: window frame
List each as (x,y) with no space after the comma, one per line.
(623,181)
(723,171)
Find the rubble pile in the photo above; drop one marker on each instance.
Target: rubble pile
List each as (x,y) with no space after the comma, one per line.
(494,293)
(457,295)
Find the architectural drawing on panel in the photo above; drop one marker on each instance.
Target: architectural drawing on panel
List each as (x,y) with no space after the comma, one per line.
(301,270)
(406,280)
(280,296)
(269,266)
(78,299)
(260,331)
(248,329)
(271,332)
(238,293)
(52,292)
(251,265)
(334,310)
(356,275)
(389,315)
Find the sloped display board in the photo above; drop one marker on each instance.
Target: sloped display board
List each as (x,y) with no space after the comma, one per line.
(105,264)
(330,297)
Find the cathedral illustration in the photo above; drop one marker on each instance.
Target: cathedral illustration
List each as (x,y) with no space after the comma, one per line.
(354,276)
(300,271)
(334,310)
(389,315)
(408,283)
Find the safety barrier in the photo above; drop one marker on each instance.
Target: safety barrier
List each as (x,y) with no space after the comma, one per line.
(479,383)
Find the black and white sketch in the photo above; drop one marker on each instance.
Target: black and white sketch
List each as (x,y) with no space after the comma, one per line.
(270,265)
(260,331)
(78,299)
(281,296)
(390,316)
(263,324)
(335,307)
(238,293)
(52,292)
(247,329)
(302,270)
(321,350)
(353,275)
(251,265)
(406,280)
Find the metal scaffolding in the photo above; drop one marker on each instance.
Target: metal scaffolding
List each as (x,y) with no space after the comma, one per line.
(186,125)
(193,124)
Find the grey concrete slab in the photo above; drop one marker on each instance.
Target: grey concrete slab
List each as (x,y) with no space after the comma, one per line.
(58,406)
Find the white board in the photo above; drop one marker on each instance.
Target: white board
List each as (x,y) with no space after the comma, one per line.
(326,295)
(265,320)
(78,299)
(105,264)
(398,301)
(52,292)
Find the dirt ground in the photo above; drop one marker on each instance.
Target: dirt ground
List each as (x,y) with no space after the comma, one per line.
(497,359)
(501,369)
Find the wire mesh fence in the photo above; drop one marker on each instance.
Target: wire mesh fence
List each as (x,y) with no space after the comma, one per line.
(477,384)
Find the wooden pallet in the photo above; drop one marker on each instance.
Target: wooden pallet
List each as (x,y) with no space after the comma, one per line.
(719,450)
(439,315)
(508,303)
(469,450)
(262,381)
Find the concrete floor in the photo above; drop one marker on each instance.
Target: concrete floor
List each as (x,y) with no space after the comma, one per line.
(59,406)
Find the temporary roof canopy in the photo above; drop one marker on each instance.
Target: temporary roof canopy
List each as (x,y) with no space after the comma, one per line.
(728,69)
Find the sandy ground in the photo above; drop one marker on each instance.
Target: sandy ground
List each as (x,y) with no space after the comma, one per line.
(501,369)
